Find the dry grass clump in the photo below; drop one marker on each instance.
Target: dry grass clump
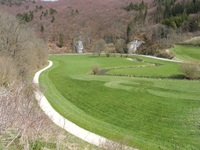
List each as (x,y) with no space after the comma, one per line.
(191,70)
(95,69)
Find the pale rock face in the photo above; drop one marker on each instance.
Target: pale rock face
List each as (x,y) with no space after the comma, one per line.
(134,45)
(79,47)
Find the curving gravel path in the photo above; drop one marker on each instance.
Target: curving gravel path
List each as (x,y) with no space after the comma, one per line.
(70,127)
(158,58)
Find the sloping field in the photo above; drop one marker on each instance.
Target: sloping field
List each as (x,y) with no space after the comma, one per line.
(188,53)
(158,112)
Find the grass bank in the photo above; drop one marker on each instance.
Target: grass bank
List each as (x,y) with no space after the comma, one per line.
(145,113)
(187,53)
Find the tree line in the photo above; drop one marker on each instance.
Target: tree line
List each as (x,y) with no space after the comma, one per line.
(136,6)
(29,16)
(174,14)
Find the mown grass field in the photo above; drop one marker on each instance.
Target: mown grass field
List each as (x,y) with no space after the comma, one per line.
(187,53)
(158,112)
(152,69)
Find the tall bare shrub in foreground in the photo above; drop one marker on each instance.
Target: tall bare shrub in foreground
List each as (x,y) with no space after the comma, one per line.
(19,112)
(21,54)
(8,72)
(19,43)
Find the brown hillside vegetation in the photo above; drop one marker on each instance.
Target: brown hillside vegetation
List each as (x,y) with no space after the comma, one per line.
(89,19)
(22,124)
(103,25)
(64,22)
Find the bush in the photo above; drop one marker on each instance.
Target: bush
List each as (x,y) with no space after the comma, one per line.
(110,48)
(192,24)
(120,46)
(95,69)
(19,43)
(191,70)
(165,54)
(8,72)
(98,47)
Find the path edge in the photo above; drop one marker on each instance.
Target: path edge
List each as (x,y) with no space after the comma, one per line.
(67,125)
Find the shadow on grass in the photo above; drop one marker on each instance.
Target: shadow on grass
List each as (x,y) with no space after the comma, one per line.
(173,77)
(179,76)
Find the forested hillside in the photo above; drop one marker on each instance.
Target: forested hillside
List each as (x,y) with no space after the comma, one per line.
(160,23)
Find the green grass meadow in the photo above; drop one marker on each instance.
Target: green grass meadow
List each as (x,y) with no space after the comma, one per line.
(187,53)
(141,104)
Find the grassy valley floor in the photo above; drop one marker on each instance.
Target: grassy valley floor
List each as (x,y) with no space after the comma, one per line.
(158,112)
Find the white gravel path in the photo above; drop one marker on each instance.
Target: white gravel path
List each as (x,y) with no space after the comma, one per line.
(70,127)
(158,58)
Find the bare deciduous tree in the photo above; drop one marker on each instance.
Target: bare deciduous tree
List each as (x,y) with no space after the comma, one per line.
(120,46)
(19,42)
(21,53)
(19,112)
(98,47)
(8,72)
(110,48)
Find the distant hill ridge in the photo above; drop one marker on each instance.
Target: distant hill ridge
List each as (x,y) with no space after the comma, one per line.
(110,20)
